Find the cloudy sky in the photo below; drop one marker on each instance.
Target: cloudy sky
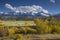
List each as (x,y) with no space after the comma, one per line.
(34,6)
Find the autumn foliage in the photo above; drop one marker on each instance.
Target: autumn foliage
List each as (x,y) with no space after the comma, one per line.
(48,25)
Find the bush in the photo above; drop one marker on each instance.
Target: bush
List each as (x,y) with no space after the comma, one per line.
(19,36)
(42,26)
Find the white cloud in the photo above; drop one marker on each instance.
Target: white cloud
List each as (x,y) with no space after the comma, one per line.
(44,14)
(6,13)
(53,1)
(45,11)
(9,6)
(27,9)
(1,12)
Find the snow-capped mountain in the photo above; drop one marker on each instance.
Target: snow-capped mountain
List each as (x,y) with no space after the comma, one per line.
(21,16)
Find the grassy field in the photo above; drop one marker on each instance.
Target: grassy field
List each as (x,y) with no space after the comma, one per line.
(18,23)
(42,37)
(30,30)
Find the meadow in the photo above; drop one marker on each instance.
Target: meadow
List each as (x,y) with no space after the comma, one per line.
(16,30)
(17,23)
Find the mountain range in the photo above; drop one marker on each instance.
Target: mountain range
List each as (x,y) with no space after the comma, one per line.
(24,16)
(57,16)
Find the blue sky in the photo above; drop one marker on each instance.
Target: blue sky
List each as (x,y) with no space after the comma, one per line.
(52,6)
